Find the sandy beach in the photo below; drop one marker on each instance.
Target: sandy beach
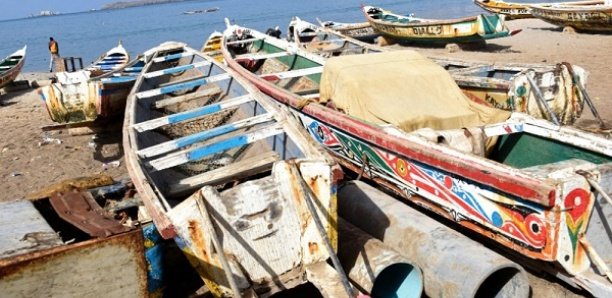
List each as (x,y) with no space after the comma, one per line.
(31,159)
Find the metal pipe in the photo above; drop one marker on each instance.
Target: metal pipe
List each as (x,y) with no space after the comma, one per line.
(374,267)
(452,264)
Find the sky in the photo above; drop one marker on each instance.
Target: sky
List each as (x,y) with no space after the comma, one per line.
(15,9)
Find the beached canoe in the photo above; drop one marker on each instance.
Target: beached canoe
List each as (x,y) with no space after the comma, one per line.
(113,59)
(360,31)
(409,29)
(501,85)
(11,66)
(228,174)
(590,16)
(400,120)
(80,97)
(511,10)
(212,46)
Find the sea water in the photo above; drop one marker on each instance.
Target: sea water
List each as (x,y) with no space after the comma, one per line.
(90,34)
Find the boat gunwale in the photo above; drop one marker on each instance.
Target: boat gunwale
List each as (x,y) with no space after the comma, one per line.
(503,177)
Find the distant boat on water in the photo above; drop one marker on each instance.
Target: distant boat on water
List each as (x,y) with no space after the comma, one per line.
(211,9)
(45,13)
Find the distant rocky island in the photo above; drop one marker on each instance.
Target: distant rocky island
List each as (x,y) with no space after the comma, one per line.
(126,4)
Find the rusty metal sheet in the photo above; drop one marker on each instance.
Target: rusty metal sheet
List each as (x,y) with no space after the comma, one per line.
(81,210)
(104,267)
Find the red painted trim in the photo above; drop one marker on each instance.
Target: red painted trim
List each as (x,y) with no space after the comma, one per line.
(504,179)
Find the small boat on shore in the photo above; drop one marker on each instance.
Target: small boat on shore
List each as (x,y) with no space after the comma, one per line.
(409,29)
(511,10)
(10,67)
(78,98)
(506,86)
(360,31)
(589,16)
(212,46)
(82,96)
(229,175)
(113,59)
(400,120)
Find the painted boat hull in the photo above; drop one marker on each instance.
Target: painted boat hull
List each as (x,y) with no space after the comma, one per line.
(9,70)
(516,208)
(213,158)
(360,31)
(405,29)
(587,17)
(503,86)
(509,9)
(78,97)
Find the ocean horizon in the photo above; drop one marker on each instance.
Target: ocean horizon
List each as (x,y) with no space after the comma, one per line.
(90,34)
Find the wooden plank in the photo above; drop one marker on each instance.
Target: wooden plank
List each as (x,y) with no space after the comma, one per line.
(257,56)
(207,93)
(191,114)
(292,73)
(197,153)
(202,136)
(176,69)
(244,168)
(243,41)
(183,80)
(173,86)
(311,96)
(173,56)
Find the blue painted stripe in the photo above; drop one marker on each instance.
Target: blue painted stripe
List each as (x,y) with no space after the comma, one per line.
(121,79)
(193,114)
(178,69)
(230,143)
(173,56)
(133,69)
(187,85)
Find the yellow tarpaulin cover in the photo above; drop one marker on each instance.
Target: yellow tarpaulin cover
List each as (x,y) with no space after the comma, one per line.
(402,88)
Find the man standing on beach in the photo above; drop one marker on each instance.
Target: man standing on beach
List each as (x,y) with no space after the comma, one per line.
(54,49)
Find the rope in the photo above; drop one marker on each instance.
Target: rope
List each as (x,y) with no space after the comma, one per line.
(364,157)
(303,103)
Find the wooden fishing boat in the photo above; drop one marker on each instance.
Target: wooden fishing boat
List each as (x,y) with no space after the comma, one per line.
(324,41)
(79,97)
(509,9)
(214,159)
(559,96)
(212,46)
(11,66)
(380,118)
(360,31)
(113,59)
(114,87)
(408,29)
(593,16)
